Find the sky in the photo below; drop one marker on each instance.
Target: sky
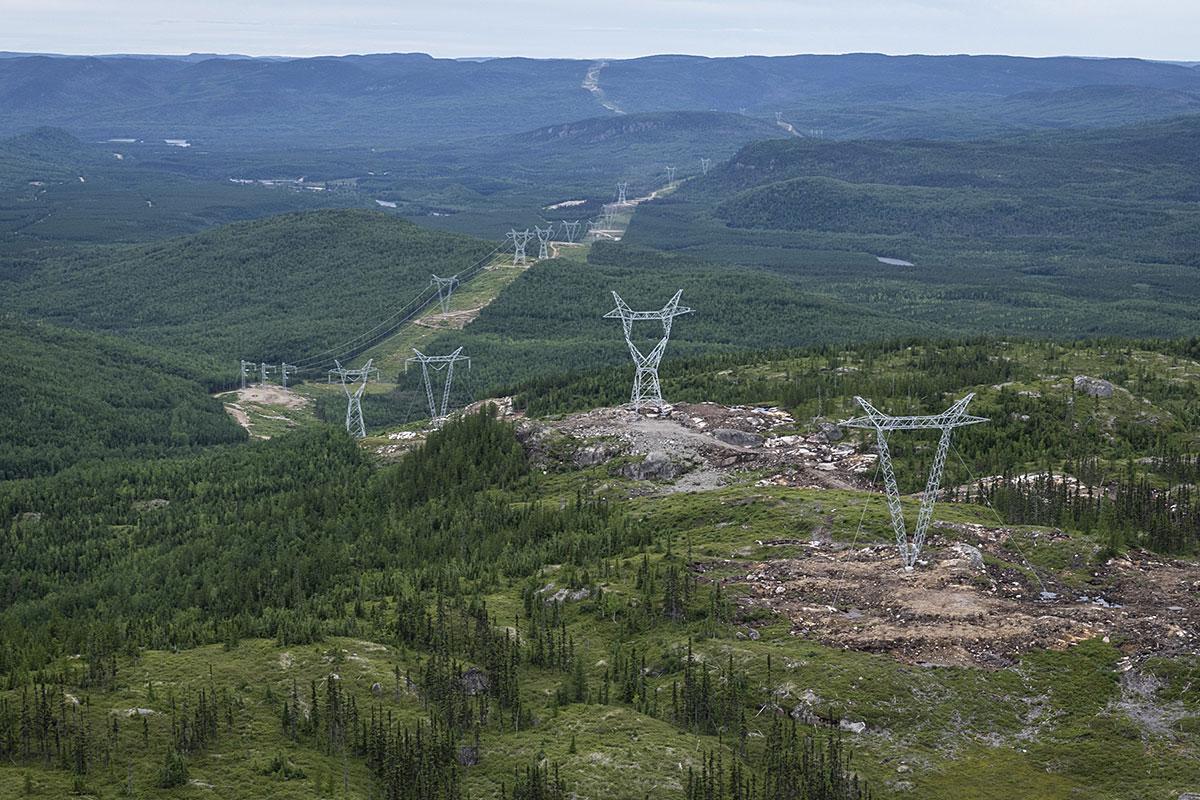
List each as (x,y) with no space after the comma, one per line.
(1159,29)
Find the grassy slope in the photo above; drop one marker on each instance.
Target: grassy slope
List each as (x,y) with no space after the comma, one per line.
(964,733)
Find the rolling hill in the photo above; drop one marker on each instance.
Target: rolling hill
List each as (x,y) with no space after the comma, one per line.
(73,396)
(282,287)
(401,99)
(1070,233)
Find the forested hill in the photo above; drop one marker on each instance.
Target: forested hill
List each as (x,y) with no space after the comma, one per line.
(390,99)
(1079,233)
(72,396)
(40,155)
(1154,160)
(269,289)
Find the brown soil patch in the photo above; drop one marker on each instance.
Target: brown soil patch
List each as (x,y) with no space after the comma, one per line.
(269,395)
(453,320)
(946,613)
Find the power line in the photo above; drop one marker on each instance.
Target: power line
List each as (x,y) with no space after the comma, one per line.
(570,230)
(406,312)
(543,237)
(445,288)
(519,240)
(437,414)
(355,425)
(954,417)
(646,388)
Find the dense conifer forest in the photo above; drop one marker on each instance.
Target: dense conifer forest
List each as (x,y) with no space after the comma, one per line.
(211,588)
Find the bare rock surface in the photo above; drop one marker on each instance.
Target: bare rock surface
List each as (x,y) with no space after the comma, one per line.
(1093,387)
(702,446)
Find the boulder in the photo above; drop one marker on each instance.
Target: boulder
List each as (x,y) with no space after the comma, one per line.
(656,466)
(475,681)
(597,453)
(468,756)
(738,438)
(852,727)
(969,553)
(831,432)
(1093,387)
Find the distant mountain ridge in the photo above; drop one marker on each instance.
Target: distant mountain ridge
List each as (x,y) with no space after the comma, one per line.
(406,98)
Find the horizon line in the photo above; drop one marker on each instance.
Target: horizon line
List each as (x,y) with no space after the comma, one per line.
(349,54)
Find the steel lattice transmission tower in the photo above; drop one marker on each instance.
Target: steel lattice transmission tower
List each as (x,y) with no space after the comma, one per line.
(519,240)
(954,417)
(445,288)
(543,237)
(285,369)
(437,414)
(245,370)
(570,230)
(670,174)
(263,369)
(705,163)
(646,388)
(355,425)
(621,187)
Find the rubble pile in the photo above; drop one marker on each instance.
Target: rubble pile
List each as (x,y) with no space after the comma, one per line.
(705,443)
(966,605)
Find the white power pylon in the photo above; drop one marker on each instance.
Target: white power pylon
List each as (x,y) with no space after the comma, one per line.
(570,230)
(646,389)
(519,240)
(543,237)
(245,370)
(263,369)
(437,415)
(705,163)
(445,288)
(621,187)
(355,425)
(670,175)
(285,369)
(954,417)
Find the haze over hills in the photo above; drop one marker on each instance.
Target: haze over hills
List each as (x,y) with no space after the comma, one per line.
(280,519)
(401,99)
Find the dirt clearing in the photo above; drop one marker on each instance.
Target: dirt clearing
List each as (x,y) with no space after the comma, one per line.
(954,610)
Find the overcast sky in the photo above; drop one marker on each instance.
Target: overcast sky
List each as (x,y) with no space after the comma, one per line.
(1163,29)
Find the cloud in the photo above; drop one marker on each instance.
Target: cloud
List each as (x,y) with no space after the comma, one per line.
(616,28)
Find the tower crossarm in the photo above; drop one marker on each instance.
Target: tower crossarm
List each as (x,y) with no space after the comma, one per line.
(671,310)
(953,417)
(646,387)
(437,363)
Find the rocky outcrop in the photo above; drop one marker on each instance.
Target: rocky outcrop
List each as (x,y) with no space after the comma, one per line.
(738,438)
(1093,387)
(657,466)
(590,455)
